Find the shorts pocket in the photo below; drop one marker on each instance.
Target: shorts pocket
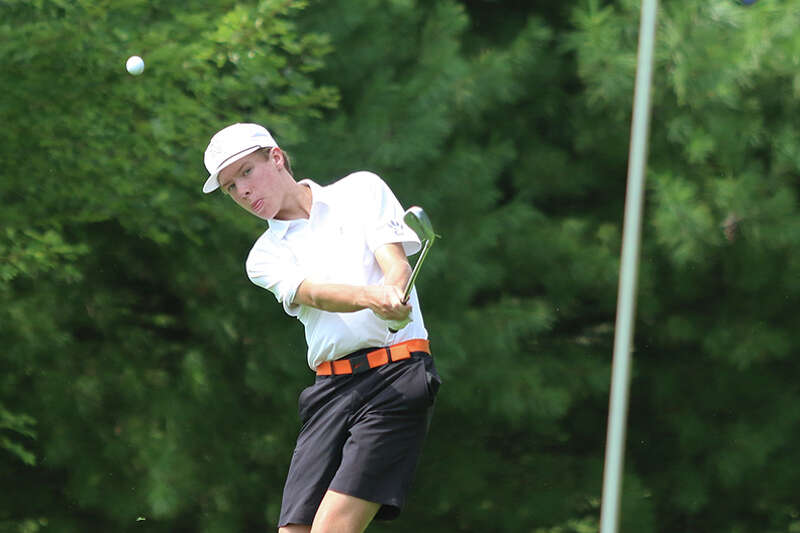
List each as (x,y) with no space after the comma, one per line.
(434,382)
(422,385)
(433,379)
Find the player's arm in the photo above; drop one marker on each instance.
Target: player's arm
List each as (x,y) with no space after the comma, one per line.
(394,264)
(396,273)
(384,300)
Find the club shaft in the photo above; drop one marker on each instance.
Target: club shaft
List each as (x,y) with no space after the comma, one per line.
(415,272)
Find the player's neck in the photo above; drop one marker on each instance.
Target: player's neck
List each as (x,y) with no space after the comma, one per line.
(297,204)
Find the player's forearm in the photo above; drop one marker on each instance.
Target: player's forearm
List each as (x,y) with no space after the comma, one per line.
(385,301)
(333,297)
(398,275)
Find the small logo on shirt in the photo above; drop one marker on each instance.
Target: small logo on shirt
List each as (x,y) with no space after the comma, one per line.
(396,226)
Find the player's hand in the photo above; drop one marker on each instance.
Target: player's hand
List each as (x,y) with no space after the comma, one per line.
(386,301)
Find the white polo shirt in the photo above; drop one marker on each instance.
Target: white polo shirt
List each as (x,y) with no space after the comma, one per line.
(349,220)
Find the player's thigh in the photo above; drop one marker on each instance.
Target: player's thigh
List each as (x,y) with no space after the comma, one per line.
(343,513)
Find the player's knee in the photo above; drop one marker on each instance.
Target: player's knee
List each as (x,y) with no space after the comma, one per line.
(340,512)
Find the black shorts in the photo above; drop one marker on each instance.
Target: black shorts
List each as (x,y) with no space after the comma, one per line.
(361,435)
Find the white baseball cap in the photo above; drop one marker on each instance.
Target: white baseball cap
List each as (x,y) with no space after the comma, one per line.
(231,144)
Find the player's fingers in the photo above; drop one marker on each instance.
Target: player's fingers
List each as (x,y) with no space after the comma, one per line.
(394,312)
(389,303)
(389,298)
(401,311)
(400,308)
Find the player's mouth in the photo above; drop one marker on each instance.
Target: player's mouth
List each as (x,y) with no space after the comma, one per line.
(258,204)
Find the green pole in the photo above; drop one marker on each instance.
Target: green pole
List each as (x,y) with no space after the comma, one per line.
(626,297)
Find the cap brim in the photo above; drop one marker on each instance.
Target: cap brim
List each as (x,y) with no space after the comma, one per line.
(212,183)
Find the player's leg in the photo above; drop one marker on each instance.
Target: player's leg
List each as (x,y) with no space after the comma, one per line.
(381,454)
(317,455)
(341,513)
(294,528)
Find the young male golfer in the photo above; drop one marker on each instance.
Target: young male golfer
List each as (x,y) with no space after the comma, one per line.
(335,258)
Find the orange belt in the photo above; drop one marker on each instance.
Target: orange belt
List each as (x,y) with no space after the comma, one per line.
(381,356)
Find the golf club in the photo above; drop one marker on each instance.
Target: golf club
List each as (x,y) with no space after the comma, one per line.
(416,219)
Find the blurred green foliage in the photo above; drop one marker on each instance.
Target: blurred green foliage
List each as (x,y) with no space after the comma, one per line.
(145,383)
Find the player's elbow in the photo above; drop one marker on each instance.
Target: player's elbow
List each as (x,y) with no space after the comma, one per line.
(306,295)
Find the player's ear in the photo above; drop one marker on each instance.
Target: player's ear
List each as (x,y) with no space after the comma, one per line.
(277,156)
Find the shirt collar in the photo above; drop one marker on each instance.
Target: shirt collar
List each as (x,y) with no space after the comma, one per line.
(318,196)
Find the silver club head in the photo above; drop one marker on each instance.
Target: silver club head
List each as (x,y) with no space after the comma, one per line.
(416,219)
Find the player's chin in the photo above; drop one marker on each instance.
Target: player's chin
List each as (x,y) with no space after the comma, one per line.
(254,212)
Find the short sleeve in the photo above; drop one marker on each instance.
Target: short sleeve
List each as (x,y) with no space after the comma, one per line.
(273,266)
(384,224)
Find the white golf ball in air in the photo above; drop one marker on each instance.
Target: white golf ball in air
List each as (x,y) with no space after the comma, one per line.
(135,65)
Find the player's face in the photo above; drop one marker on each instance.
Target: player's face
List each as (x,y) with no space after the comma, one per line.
(254,183)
